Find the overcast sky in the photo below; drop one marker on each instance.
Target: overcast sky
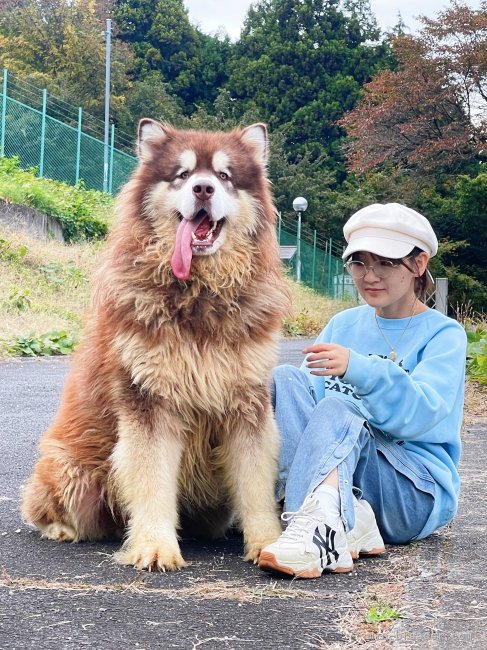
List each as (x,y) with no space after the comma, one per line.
(209,15)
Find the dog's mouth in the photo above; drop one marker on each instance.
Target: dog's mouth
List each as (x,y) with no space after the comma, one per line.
(196,236)
(207,231)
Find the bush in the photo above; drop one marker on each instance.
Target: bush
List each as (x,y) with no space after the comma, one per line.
(83,214)
(477,355)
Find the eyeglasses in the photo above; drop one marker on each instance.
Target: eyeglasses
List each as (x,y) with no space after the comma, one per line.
(381,268)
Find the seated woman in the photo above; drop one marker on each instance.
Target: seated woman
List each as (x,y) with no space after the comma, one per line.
(370,424)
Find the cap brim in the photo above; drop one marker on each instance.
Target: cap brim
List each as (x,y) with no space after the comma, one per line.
(379,246)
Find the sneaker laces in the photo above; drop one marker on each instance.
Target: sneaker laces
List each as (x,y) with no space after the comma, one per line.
(299,521)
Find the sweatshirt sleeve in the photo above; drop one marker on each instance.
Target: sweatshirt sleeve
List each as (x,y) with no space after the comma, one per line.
(315,381)
(409,406)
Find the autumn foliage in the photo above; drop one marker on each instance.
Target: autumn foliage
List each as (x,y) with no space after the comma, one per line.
(427,114)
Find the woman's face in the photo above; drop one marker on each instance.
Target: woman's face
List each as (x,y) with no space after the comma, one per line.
(392,296)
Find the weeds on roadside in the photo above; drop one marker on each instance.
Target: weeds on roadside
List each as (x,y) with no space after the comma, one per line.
(50,343)
(379,614)
(83,214)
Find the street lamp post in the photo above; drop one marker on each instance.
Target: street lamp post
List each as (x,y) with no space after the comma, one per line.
(299,205)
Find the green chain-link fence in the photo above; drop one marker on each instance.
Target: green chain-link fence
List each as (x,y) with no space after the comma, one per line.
(66,144)
(58,140)
(321,264)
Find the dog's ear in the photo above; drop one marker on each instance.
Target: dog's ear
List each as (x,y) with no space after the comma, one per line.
(149,134)
(256,135)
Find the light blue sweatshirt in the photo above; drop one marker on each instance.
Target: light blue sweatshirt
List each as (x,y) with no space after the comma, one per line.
(416,401)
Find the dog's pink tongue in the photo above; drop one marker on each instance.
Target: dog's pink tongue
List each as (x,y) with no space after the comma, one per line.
(182,256)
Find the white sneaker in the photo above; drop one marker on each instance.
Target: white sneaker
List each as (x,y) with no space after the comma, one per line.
(364,538)
(309,545)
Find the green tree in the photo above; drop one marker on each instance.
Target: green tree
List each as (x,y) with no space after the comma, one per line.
(302,65)
(59,45)
(191,63)
(150,97)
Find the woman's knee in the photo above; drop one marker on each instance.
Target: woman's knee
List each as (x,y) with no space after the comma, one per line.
(287,372)
(330,406)
(287,378)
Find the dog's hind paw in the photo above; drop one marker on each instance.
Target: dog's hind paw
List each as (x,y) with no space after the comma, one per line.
(59,532)
(151,556)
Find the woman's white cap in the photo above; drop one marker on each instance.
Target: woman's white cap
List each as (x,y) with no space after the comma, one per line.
(390,230)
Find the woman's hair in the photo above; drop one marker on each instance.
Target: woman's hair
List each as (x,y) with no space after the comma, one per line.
(423,283)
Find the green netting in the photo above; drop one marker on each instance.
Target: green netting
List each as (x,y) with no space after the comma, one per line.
(123,166)
(60,145)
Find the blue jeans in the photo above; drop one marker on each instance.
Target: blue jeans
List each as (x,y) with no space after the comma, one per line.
(316,437)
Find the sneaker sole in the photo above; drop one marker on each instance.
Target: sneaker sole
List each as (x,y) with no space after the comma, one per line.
(268,562)
(367,552)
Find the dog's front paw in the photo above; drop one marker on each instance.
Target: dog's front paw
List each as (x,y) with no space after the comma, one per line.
(255,543)
(150,555)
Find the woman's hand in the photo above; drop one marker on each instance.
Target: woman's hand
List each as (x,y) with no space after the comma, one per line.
(327,359)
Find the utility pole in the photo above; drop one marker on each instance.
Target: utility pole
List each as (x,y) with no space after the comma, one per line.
(108,35)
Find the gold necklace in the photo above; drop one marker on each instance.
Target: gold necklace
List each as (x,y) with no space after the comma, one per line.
(393,354)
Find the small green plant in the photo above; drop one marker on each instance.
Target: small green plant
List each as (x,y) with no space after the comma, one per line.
(18,299)
(477,355)
(58,273)
(379,614)
(11,252)
(50,343)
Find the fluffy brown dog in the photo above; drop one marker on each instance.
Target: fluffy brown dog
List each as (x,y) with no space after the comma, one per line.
(165,420)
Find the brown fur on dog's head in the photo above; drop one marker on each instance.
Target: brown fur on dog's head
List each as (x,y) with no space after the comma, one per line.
(160,195)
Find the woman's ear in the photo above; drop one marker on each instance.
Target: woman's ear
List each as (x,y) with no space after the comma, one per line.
(421,262)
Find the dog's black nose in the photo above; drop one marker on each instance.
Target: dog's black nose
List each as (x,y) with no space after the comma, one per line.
(203,191)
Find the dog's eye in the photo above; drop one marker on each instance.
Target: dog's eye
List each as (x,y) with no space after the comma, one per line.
(223,176)
(184,175)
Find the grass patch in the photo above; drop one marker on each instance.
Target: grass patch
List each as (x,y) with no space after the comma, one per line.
(44,293)
(310,311)
(44,296)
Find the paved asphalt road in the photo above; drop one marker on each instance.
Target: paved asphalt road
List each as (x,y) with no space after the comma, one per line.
(69,596)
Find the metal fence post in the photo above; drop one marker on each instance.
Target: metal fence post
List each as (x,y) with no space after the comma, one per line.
(314,260)
(112,144)
(279,222)
(78,145)
(43,133)
(108,35)
(441,296)
(4,113)
(330,281)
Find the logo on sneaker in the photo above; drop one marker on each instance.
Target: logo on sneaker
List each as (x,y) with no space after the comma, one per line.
(327,545)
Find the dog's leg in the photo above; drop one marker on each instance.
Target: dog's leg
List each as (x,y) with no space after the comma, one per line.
(145,465)
(251,472)
(64,500)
